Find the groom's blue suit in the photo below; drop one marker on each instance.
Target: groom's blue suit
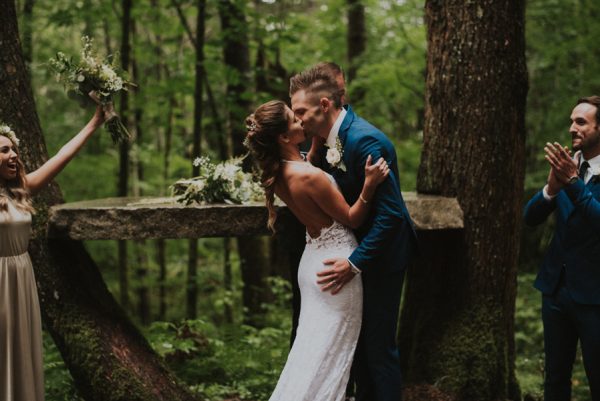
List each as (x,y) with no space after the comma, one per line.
(387,242)
(569,280)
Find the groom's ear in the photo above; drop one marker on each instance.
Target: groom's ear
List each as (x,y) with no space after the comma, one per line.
(325,104)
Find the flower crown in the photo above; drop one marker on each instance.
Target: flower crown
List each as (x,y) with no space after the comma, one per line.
(6,131)
(251,126)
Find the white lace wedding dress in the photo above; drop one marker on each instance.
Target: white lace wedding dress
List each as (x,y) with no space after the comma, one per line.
(318,365)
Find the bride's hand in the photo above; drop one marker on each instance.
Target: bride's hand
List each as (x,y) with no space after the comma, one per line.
(376,173)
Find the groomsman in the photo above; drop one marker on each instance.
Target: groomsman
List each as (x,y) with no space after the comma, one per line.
(569,277)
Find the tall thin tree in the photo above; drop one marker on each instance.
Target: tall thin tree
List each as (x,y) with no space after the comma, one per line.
(356,36)
(252,250)
(123,183)
(143,292)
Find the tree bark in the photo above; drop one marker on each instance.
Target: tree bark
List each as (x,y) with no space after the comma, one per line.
(28,31)
(143,291)
(124,152)
(357,35)
(457,326)
(192,284)
(108,357)
(252,250)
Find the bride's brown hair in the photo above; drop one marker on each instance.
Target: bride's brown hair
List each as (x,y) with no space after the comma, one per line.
(16,189)
(264,127)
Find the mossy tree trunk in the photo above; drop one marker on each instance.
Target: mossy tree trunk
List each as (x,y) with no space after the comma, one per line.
(108,357)
(252,250)
(457,325)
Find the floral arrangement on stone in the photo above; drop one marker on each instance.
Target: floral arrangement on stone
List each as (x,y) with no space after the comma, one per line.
(224,182)
(93,80)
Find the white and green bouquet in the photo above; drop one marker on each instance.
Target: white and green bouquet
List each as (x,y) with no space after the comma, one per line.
(224,182)
(92,80)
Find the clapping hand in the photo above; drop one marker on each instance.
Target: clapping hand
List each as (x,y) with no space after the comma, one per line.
(562,163)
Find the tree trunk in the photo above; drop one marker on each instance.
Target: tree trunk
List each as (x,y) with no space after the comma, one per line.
(108,357)
(357,35)
(457,325)
(192,284)
(252,250)
(143,292)
(124,152)
(28,31)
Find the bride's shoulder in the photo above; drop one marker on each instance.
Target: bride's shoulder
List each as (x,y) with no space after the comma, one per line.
(309,174)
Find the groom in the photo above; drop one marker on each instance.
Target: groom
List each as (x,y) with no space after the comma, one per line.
(387,239)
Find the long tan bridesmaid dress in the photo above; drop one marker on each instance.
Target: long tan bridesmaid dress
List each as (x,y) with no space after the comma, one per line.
(21,369)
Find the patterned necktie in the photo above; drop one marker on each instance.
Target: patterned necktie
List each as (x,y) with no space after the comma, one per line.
(583,169)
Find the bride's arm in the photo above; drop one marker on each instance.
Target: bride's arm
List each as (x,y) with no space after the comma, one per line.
(332,202)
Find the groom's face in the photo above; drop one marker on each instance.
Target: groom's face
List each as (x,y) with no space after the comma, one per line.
(307,107)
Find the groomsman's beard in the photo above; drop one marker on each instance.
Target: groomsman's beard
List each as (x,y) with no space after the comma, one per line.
(576,142)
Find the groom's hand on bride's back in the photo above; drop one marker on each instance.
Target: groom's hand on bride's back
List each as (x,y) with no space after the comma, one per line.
(338,274)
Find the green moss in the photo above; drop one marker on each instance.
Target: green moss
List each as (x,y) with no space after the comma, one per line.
(471,360)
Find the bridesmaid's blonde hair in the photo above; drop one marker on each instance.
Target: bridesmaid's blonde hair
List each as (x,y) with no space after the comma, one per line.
(16,189)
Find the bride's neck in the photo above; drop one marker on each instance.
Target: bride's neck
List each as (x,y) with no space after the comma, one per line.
(291,153)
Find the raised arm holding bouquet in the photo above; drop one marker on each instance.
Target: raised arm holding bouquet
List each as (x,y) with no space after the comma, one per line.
(92,80)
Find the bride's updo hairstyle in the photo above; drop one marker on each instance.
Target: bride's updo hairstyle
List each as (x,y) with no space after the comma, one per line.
(264,127)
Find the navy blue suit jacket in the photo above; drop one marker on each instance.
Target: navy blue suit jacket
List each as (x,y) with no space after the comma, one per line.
(387,237)
(575,247)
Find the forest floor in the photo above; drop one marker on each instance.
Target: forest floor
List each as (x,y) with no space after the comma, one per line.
(240,363)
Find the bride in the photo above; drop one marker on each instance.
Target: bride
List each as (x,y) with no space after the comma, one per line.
(318,365)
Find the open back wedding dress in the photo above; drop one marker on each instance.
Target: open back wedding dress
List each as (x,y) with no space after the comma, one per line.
(318,365)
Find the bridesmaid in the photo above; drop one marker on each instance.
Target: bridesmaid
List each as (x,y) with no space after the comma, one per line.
(21,368)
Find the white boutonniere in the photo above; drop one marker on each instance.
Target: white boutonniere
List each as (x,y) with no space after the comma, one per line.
(334,155)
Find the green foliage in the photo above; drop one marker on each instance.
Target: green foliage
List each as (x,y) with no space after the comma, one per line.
(59,384)
(228,360)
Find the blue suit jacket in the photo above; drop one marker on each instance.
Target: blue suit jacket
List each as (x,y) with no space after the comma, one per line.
(387,238)
(575,246)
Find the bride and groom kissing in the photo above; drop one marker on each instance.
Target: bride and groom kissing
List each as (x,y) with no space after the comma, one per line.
(359,238)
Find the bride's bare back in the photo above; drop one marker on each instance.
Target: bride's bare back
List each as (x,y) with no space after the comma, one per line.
(296,187)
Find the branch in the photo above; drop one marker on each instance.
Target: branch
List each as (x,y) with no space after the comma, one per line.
(185,24)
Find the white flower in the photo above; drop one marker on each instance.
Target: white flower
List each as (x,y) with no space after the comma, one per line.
(80,78)
(333,157)
(4,129)
(226,171)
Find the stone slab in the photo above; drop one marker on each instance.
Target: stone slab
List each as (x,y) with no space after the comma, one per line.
(140,218)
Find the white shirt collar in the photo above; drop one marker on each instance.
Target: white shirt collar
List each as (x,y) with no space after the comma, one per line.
(335,129)
(594,166)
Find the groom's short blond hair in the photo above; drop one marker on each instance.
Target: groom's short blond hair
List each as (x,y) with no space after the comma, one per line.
(316,81)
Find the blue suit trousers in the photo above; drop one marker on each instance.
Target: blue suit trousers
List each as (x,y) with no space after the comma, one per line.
(565,323)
